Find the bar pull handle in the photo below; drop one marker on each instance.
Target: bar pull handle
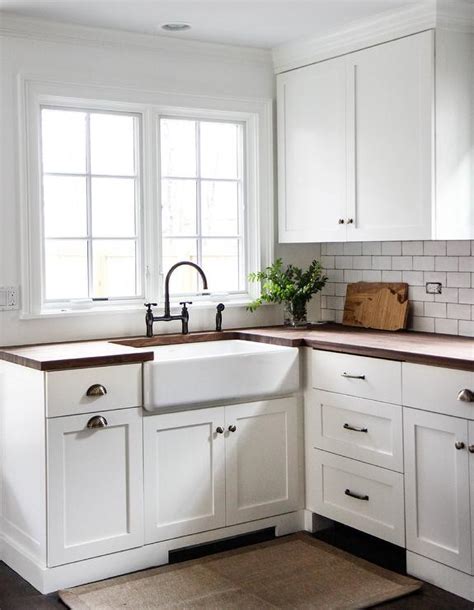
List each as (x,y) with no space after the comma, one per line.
(349,376)
(352,494)
(355,428)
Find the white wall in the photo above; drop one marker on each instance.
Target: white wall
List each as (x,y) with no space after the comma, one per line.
(196,70)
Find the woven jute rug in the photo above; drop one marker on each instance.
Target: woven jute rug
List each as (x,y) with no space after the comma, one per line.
(291,572)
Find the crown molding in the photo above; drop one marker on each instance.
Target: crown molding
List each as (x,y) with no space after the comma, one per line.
(48,31)
(357,35)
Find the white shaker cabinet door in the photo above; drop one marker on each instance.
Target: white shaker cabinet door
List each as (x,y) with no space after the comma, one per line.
(390,97)
(263,477)
(437,488)
(95,485)
(184,457)
(312,152)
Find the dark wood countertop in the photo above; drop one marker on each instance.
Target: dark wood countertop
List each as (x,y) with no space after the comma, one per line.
(421,348)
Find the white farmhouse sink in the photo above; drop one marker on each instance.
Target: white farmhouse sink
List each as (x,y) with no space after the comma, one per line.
(218,372)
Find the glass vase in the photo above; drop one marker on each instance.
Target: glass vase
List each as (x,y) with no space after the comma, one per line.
(295,314)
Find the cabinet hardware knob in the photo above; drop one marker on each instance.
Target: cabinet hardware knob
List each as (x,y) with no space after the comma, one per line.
(471,448)
(352,494)
(96,390)
(349,376)
(350,221)
(355,428)
(466,395)
(459,445)
(98,421)
(232,428)
(219,430)
(341,221)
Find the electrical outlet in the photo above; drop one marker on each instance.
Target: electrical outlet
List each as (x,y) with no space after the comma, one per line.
(8,298)
(434,288)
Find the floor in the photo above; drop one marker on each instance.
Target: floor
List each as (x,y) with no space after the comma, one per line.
(17,594)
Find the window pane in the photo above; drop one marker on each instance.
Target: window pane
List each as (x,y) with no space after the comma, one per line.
(66,269)
(179,207)
(220,261)
(65,212)
(113,268)
(112,144)
(63,134)
(184,279)
(219,150)
(219,205)
(178,148)
(113,207)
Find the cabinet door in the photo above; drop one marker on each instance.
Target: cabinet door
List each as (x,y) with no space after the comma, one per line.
(437,488)
(391,88)
(95,486)
(471,486)
(184,473)
(312,152)
(262,477)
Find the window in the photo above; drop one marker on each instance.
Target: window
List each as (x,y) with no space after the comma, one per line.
(114,191)
(202,197)
(90,203)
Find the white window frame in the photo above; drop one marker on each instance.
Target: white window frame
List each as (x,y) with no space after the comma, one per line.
(255,115)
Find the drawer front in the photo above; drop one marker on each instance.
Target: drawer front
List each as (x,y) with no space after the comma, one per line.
(67,391)
(433,388)
(357,428)
(362,496)
(372,378)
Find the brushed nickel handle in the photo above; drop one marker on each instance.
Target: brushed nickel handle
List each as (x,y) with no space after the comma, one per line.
(350,221)
(96,390)
(232,428)
(466,395)
(98,421)
(349,376)
(355,428)
(471,448)
(219,430)
(352,494)
(341,221)
(459,445)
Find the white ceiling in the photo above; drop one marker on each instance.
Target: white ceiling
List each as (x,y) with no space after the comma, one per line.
(256,23)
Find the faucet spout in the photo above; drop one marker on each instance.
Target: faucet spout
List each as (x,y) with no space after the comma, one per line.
(167,282)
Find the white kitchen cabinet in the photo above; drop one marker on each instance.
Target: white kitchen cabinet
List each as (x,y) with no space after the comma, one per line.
(438,524)
(184,473)
(94,485)
(208,468)
(262,477)
(312,152)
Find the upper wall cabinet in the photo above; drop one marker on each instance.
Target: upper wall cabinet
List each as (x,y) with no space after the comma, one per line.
(356,146)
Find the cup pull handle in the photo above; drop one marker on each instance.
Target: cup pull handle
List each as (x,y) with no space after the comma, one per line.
(98,421)
(96,390)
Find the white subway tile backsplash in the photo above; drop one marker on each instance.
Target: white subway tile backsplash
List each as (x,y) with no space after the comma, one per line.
(458,248)
(413,262)
(412,248)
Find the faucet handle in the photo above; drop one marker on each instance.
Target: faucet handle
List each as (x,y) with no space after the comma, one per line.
(150,305)
(184,303)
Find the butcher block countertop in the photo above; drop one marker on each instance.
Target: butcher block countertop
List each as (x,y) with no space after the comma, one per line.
(421,348)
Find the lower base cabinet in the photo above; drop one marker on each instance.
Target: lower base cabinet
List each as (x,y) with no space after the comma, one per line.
(95,485)
(208,468)
(437,487)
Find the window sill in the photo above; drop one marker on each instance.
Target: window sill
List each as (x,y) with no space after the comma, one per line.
(109,310)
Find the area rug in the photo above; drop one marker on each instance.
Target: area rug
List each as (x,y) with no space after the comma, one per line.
(291,572)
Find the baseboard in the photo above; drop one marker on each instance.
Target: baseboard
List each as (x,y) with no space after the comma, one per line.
(48,580)
(440,575)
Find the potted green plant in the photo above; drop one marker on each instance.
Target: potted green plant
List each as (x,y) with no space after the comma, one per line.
(291,286)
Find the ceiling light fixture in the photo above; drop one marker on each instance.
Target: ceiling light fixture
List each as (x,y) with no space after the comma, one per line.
(176,27)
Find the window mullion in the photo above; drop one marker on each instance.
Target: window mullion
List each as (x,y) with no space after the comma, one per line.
(89,205)
(198,198)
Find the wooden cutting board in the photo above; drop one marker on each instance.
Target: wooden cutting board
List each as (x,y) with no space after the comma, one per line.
(381,305)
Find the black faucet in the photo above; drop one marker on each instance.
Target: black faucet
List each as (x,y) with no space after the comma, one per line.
(220,308)
(167,317)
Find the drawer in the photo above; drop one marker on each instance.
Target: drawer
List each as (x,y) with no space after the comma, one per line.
(360,376)
(433,388)
(67,391)
(362,496)
(357,428)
